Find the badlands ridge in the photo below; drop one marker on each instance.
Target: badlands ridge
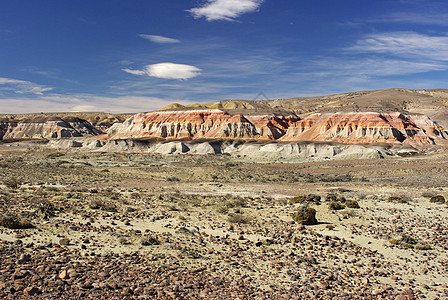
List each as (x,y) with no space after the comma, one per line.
(326,127)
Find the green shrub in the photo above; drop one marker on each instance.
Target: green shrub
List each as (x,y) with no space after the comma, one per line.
(305,215)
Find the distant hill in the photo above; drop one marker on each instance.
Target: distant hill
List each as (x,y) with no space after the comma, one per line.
(433,103)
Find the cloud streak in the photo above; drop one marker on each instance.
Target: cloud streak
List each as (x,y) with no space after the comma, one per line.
(167,71)
(227,10)
(23,87)
(408,44)
(158,39)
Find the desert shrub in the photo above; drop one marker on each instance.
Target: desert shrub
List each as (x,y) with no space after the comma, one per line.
(331,197)
(58,198)
(149,240)
(12,222)
(405,241)
(12,183)
(55,155)
(305,215)
(222,209)
(335,206)
(123,240)
(44,207)
(103,205)
(437,199)
(238,219)
(420,246)
(428,194)
(305,198)
(408,239)
(172,179)
(352,204)
(398,199)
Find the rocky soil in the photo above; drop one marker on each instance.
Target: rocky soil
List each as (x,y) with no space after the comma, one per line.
(147,226)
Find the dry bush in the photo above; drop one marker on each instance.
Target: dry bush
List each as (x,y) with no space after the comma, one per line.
(305,198)
(437,199)
(102,205)
(352,204)
(335,206)
(12,222)
(12,183)
(238,219)
(305,215)
(398,199)
(43,207)
(149,240)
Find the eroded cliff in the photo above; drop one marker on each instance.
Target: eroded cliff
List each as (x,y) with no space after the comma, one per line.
(348,128)
(45,128)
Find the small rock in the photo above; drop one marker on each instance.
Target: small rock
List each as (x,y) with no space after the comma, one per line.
(63,275)
(31,291)
(24,258)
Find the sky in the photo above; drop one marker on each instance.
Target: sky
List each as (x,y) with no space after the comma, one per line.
(123,56)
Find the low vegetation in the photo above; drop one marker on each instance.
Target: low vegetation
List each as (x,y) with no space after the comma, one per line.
(305,215)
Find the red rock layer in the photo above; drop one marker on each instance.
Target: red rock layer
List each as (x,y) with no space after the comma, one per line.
(355,128)
(351,128)
(199,124)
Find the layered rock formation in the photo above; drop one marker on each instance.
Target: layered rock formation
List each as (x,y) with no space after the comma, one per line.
(200,124)
(357,128)
(348,128)
(45,127)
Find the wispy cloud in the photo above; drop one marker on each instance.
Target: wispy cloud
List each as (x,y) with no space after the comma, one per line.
(84,103)
(158,39)
(167,71)
(405,44)
(227,10)
(421,18)
(23,87)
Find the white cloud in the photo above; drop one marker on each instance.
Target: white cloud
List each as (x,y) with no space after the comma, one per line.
(158,39)
(227,10)
(405,44)
(23,87)
(168,71)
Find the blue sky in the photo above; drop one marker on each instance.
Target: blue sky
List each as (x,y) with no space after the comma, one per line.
(139,55)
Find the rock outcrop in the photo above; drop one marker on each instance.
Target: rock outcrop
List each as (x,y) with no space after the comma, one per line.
(200,124)
(46,128)
(359,128)
(347,128)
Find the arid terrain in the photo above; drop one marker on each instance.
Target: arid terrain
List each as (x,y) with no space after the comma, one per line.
(89,217)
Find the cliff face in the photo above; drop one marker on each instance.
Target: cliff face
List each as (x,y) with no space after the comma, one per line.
(200,124)
(349,128)
(46,127)
(355,128)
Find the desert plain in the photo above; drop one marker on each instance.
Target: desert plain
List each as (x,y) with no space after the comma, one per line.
(97,222)
(146,226)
